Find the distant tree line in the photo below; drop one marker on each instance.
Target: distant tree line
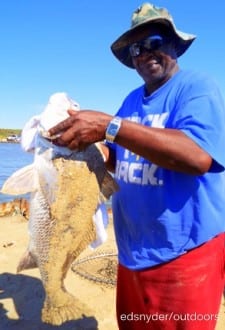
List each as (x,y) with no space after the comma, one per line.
(5,132)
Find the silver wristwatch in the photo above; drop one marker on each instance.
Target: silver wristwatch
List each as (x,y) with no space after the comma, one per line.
(113,129)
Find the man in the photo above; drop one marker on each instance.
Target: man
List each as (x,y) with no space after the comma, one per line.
(167,148)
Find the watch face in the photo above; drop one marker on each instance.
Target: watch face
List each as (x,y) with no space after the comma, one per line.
(113,128)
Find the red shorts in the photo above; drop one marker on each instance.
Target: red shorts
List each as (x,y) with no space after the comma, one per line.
(182,294)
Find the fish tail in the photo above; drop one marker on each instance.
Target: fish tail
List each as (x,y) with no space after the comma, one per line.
(26,262)
(61,308)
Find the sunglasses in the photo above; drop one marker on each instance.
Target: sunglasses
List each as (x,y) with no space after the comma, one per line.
(149,44)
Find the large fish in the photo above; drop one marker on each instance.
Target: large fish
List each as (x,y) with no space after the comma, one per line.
(66,188)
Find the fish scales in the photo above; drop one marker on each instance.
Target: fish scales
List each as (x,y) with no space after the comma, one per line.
(72,230)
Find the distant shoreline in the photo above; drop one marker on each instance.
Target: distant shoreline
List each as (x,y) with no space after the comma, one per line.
(5,141)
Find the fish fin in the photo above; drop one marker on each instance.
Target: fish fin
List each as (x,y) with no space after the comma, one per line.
(26,262)
(21,182)
(109,186)
(63,307)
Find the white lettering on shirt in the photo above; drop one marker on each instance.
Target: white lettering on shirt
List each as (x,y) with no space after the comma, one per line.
(137,171)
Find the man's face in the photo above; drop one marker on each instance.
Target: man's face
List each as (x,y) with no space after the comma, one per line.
(154,58)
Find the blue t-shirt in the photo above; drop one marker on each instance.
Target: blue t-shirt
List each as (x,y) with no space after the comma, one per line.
(160,214)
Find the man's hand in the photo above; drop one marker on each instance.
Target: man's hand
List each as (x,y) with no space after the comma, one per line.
(81,129)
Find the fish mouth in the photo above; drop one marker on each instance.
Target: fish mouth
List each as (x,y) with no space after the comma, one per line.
(45,134)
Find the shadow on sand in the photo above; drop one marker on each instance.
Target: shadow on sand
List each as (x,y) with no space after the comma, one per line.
(28,295)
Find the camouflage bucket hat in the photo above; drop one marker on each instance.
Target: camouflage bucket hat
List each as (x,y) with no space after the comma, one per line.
(142,19)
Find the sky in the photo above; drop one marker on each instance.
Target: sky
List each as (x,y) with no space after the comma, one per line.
(50,46)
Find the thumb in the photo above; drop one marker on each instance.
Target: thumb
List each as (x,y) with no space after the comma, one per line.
(71,112)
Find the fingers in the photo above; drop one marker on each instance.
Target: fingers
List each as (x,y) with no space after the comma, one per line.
(80,129)
(61,127)
(65,138)
(72,143)
(71,112)
(67,133)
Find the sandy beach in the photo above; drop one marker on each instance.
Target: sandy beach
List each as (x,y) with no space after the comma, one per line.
(22,295)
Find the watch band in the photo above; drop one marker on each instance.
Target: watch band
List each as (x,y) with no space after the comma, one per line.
(113,129)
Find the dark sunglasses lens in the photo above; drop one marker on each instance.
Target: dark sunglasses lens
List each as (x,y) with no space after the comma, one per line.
(135,50)
(151,43)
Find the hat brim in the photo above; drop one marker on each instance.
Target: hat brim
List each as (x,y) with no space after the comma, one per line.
(120,47)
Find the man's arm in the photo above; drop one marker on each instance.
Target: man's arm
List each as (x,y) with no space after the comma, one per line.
(168,148)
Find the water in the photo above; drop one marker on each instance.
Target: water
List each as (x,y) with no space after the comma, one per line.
(12,158)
